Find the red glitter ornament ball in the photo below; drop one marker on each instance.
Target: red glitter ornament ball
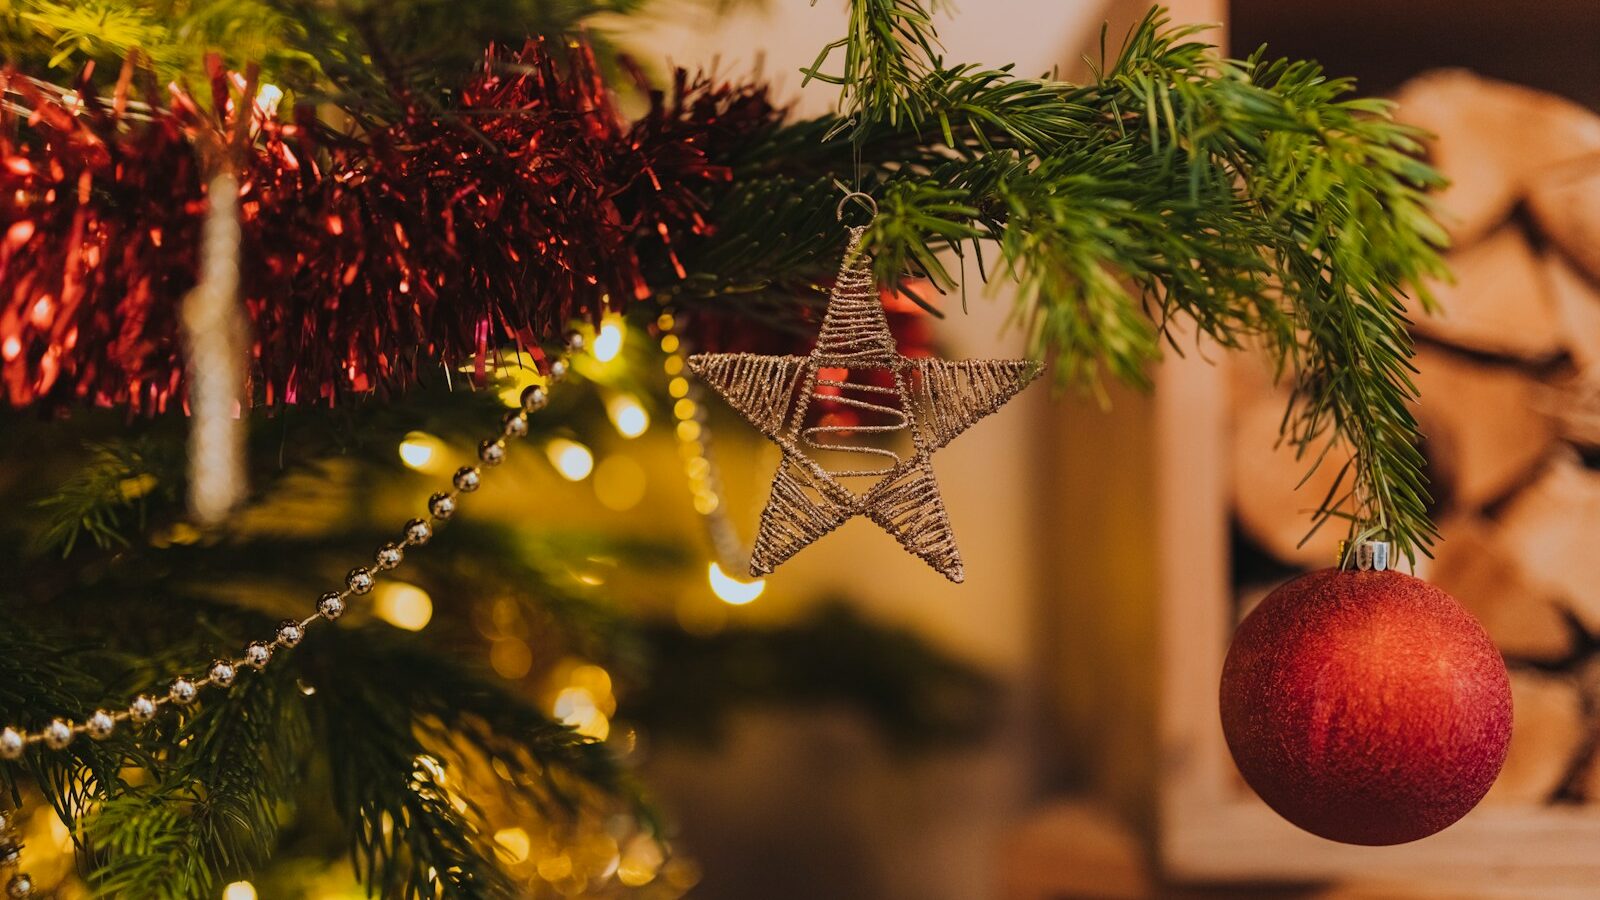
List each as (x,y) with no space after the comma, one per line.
(1366,707)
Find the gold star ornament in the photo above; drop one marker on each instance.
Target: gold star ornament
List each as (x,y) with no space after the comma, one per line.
(801,403)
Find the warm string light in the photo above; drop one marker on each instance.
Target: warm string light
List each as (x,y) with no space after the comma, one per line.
(699,466)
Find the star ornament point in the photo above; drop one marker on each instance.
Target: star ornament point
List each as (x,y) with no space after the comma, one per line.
(934,400)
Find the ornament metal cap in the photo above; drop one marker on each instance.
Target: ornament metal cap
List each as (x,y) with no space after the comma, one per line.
(1371,556)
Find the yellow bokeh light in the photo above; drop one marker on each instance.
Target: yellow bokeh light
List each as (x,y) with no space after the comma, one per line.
(576,708)
(421,451)
(511,658)
(555,868)
(572,459)
(731,590)
(684,409)
(512,845)
(402,605)
(608,342)
(640,862)
(620,483)
(239,890)
(630,418)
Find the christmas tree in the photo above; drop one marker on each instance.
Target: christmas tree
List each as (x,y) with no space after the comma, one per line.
(280,276)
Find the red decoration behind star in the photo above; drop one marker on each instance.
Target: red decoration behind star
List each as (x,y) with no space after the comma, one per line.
(429,242)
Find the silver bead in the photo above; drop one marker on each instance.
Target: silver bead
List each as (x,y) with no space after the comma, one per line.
(493,453)
(10,852)
(389,555)
(418,531)
(534,398)
(331,606)
(12,743)
(258,654)
(466,479)
(558,370)
(515,424)
(183,691)
(574,341)
(143,708)
(19,887)
(100,725)
(5,823)
(290,633)
(359,580)
(442,505)
(223,673)
(58,734)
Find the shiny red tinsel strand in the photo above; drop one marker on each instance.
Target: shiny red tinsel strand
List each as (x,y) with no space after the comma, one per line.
(433,241)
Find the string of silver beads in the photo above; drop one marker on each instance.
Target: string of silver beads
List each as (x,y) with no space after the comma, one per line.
(19,885)
(183,690)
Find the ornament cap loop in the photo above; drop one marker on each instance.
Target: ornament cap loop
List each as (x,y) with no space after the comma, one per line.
(860,197)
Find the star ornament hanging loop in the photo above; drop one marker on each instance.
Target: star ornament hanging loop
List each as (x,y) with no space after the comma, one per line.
(934,400)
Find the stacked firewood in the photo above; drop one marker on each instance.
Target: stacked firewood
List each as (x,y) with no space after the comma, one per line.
(1510,382)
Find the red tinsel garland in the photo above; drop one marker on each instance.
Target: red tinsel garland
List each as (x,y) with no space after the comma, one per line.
(431,241)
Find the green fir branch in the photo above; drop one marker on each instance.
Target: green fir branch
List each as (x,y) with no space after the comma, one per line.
(1252,200)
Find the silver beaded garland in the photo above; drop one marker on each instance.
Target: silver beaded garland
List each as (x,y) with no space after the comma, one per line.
(418,532)
(12,743)
(359,580)
(19,887)
(10,852)
(442,506)
(183,691)
(514,425)
(100,725)
(143,708)
(290,633)
(258,654)
(331,606)
(58,734)
(389,555)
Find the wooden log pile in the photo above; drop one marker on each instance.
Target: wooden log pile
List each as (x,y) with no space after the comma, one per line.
(1509,370)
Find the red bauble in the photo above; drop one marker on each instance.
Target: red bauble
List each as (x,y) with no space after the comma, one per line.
(1366,707)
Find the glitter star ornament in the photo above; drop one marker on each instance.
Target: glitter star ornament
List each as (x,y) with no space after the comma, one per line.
(812,409)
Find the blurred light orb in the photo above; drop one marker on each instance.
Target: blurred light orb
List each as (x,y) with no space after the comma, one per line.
(572,459)
(511,658)
(512,845)
(620,483)
(731,590)
(629,417)
(239,890)
(402,605)
(419,450)
(576,708)
(608,341)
